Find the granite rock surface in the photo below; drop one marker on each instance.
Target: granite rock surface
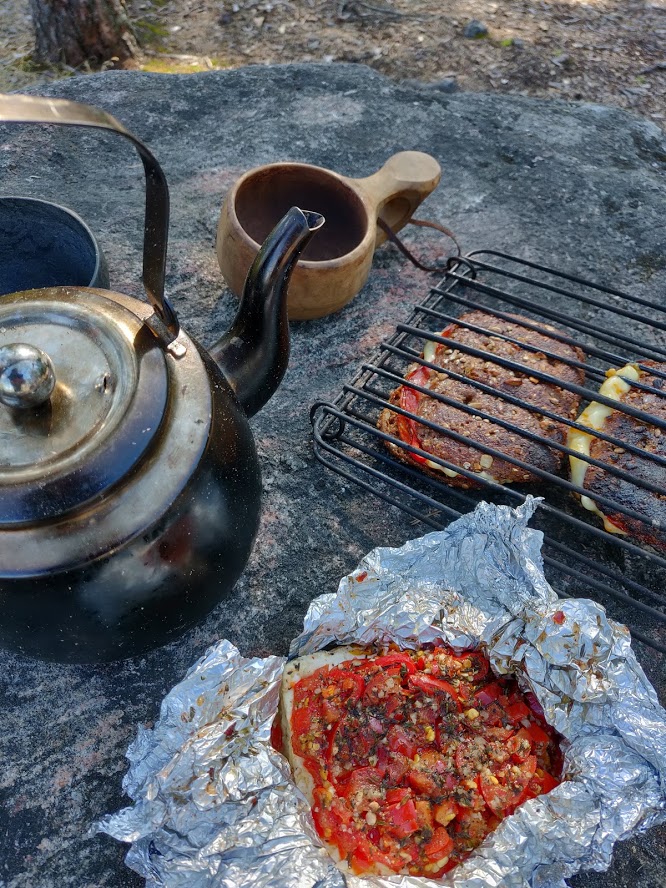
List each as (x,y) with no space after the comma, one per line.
(579,186)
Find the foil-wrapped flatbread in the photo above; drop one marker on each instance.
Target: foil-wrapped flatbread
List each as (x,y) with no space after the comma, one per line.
(215,805)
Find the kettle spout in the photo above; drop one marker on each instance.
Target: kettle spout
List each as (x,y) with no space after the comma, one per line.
(253,355)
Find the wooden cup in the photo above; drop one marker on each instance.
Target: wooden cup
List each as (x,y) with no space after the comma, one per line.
(335,265)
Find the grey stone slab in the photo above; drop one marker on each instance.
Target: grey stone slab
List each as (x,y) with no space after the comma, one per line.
(581,186)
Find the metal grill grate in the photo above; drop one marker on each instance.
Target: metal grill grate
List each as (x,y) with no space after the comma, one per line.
(612,329)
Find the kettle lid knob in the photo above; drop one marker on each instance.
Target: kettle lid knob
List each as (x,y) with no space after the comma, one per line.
(27,377)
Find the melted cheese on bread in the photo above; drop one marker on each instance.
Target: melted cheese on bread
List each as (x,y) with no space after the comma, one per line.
(594,417)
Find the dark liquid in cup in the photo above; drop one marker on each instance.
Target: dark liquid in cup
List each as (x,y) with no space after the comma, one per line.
(263,199)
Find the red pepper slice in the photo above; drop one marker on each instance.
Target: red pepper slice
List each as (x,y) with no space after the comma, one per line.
(409,400)
(396,659)
(432,686)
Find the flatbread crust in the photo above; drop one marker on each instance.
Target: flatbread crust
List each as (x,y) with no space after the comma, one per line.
(293,673)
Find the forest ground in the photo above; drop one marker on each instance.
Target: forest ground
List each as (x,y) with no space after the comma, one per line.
(607,51)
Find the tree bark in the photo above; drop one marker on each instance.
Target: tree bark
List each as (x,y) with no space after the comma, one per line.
(73,32)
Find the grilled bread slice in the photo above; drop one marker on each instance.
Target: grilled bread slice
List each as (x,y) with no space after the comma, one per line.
(522,385)
(598,417)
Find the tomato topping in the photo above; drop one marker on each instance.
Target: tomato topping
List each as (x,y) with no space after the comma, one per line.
(440,845)
(423,783)
(520,745)
(517,711)
(395,660)
(401,819)
(433,686)
(489,693)
(402,741)
(417,755)
(424,814)
(479,663)
(399,794)
(546,783)
(381,684)
(352,685)
(503,789)
(398,766)
(537,734)
(446,812)
(360,781)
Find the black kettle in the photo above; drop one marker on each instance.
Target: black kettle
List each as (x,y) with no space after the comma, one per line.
(129,482)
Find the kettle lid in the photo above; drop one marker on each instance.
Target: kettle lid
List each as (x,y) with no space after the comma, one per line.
(83,391)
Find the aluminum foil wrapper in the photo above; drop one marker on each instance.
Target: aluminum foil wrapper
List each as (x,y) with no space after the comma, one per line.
(215,805)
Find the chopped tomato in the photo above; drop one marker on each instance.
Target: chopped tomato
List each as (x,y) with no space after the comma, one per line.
(382,685)
(517,711)
(352,685)
(402,741)
(520,745)
(422,783)
(439,846)
(362,859)
(403,778)
(424,814)
(399,794)
(360,780)
(471,827)
(479,663)
(538,785)
(446,811)
(537,734)
(546,783)
(397,767)
(487,694)
(401,819)
(493,715)
(301,720)
(503,789)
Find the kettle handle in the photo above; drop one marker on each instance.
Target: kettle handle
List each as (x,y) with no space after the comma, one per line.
(38,109)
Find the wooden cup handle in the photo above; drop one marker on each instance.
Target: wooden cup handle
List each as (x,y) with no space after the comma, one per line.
(397,189)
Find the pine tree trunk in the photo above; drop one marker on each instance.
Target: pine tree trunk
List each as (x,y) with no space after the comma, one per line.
(72,32)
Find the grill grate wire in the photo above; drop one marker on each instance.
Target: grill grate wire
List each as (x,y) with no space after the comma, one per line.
(580,557)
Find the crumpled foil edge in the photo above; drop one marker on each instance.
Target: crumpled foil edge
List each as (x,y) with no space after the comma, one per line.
(215,805)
